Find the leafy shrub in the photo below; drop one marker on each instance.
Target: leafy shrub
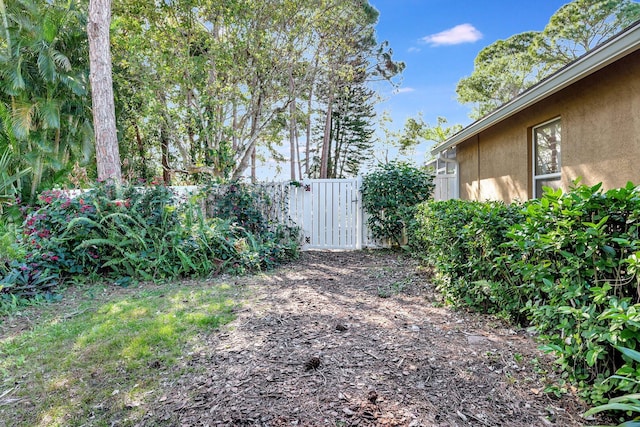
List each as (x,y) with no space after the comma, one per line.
(114,231)
(568,264)
(389,196)
(463,241)
(128,233)
(242,204)
(578,256)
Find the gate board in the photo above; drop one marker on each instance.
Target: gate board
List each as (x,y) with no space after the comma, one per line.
(329,213)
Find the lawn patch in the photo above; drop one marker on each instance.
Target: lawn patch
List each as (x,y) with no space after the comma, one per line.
(71,369)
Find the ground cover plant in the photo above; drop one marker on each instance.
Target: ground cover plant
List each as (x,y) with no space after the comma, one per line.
(102,353)
(127,234)
(566,264)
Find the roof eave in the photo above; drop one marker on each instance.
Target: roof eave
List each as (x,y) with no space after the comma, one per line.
(627,42)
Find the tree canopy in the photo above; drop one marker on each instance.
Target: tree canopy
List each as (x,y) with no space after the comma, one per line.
(208,85)
(202,88)
(505,68)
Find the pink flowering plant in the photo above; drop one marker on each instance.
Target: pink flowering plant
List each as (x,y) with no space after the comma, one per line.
(130,233)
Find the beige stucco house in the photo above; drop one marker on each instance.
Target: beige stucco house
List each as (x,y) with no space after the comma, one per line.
(583,121)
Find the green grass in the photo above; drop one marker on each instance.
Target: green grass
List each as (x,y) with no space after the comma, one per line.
(102,360)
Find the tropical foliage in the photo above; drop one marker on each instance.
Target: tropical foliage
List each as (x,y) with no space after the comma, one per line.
(127,234)
(46,122)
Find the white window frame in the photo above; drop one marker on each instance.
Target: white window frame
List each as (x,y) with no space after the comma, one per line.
(446,177)
(534,155)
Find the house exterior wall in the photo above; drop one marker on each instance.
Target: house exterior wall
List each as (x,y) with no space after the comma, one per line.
(600,138)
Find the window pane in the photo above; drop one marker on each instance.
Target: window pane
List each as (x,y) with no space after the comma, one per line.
(547,140)
(550,182)
(451,168)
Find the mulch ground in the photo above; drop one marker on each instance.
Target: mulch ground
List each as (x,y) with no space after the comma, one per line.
(360,339)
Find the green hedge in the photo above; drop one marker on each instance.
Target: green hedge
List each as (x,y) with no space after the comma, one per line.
(567,264)
(463,241)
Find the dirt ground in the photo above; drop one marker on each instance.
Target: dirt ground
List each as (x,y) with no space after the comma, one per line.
(360,339)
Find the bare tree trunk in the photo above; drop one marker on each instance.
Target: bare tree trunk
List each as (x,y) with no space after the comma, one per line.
(298,154)
(335,159)
(56,144)
(248,156)
(292,126)
(164,148)
(5,25)
(141,152)
(104,116)
(253,166)
(308,141)
(326,141)
(234,136)
(309,112)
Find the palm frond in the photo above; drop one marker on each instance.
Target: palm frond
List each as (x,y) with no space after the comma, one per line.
(77,86)
(49,110)
(14,75)
(50,27)
(7,182)
(60,59)
(22,119)
(46,67)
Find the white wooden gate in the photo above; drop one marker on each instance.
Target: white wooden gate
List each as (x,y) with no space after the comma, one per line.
(329,213)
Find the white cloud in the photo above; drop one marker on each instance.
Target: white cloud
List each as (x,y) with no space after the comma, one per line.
(413,49)
(464,33)
(404,90)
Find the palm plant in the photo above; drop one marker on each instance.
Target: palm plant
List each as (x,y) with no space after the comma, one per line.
(44,104)
(7,181)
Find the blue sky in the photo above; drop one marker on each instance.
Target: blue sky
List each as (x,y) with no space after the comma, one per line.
(438,40)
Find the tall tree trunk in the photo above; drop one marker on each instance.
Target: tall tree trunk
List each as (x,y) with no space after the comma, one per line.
(5,25)
(298,154)
(309,112)
(104,116)
(164,148)
(308,135)
(234,136)
(37,175)
(292,126)
(335,159)
(253,166)
(56,144)
(141,150)
(326,141)
(248,156)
